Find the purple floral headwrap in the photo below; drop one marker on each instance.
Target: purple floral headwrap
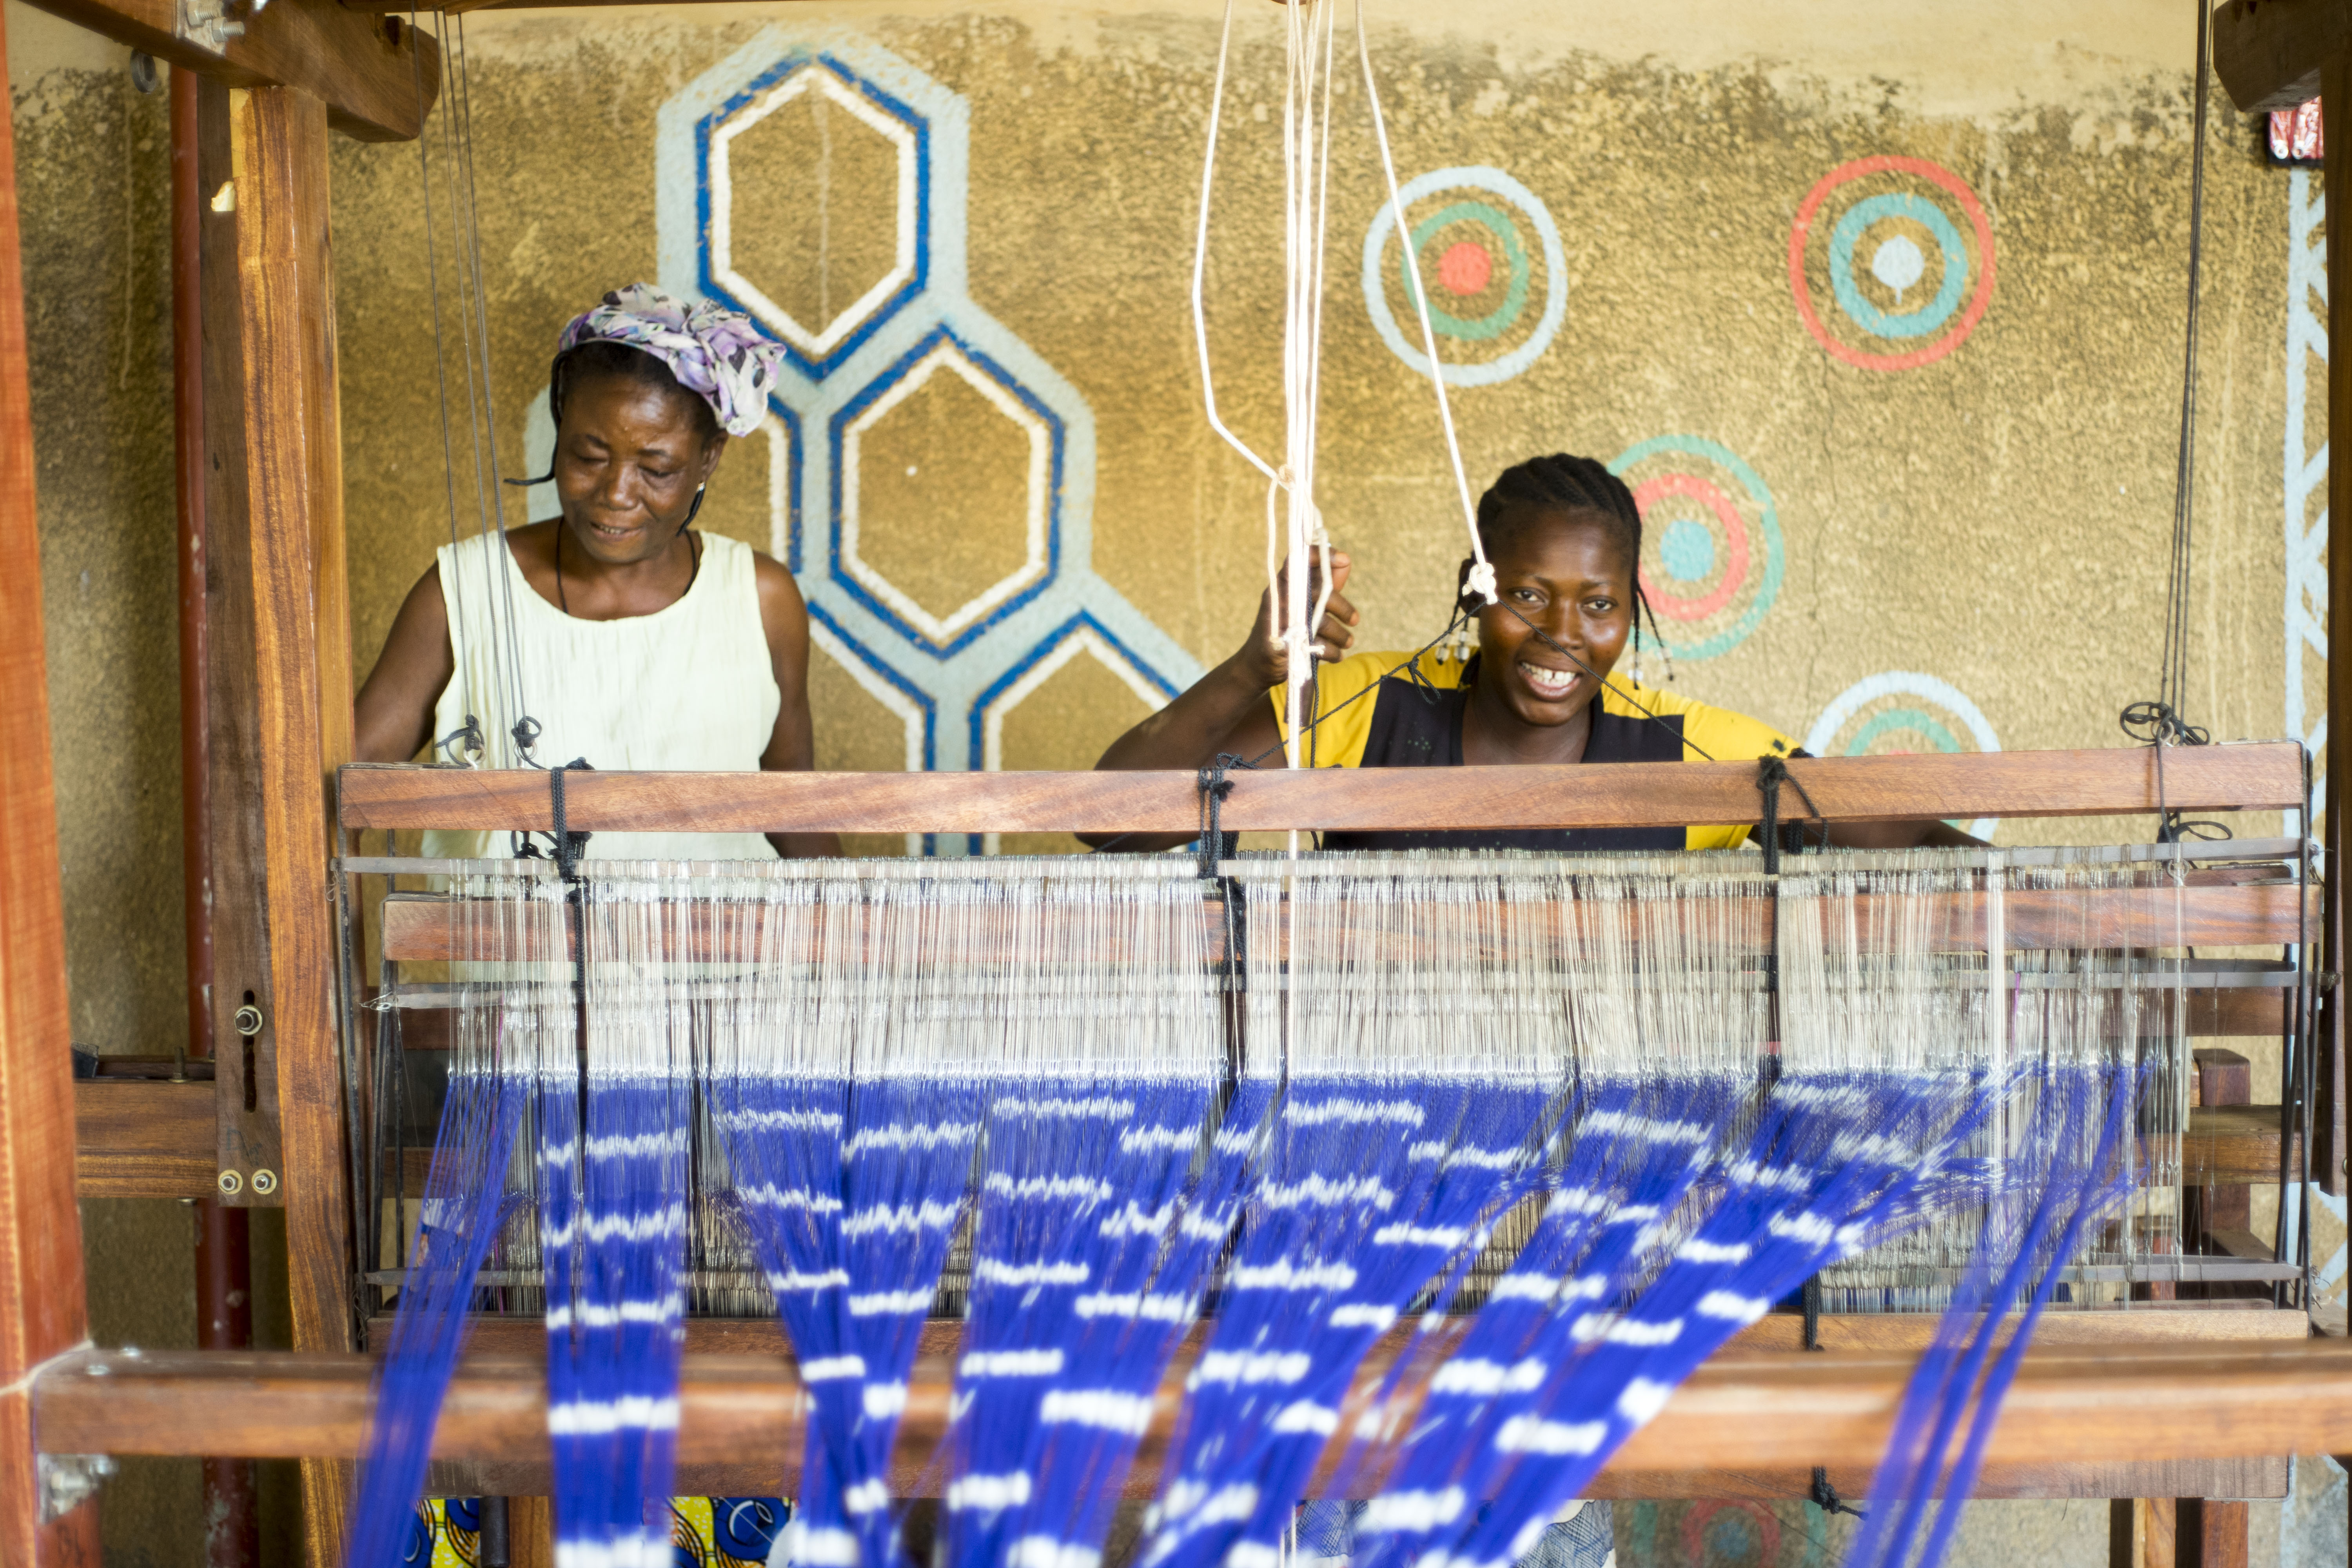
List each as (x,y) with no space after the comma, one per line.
(715,353)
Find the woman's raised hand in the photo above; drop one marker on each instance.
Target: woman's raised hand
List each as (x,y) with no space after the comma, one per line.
(1264,655)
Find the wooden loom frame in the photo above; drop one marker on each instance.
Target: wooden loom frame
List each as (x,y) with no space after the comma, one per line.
(305,64)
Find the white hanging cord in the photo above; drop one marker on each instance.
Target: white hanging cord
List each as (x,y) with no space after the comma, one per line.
(1201,260)
(1482,574)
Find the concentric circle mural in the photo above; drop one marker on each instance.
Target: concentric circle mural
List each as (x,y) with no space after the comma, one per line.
(1712,560)
(1891,260)
(1903,710)
(1492,255)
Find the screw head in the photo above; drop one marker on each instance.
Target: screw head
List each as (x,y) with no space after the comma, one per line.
(265,1182)
(231,1184)
(247,1020)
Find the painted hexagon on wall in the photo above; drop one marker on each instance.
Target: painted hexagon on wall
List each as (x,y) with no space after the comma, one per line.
(999,496)
(814,195)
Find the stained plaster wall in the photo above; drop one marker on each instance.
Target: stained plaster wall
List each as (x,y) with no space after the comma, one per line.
(1996,518)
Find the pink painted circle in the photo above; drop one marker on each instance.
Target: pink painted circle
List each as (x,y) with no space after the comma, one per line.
(1735,541)
(1757,1517)
(1464,268)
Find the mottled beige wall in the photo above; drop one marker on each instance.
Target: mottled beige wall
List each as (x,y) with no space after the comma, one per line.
(1996,518)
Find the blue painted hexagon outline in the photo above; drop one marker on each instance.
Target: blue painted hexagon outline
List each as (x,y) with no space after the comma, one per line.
(903,106)
(838,571)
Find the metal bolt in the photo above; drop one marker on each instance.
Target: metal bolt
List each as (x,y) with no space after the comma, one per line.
(231,1184)
(247,1020)
(264,1183)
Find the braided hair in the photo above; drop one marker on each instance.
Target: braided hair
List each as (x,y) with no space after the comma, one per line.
(608,356)
(1564,483)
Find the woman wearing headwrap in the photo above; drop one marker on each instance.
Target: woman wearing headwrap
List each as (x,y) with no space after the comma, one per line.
(615,632)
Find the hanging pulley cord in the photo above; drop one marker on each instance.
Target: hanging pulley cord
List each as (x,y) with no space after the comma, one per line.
(467,743)
(2160,723)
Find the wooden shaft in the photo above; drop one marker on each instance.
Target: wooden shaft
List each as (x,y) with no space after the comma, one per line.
(2330,1143)
(245,1065)
(1627,794)
(376,74)
(41,1296)
(2070,1401)
(278,146)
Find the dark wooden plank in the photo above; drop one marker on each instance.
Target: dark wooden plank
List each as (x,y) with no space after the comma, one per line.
(143,1140)
(2069,1405)
(278,146)
(1628,795)
(2269,54)
(376,75)
(41,1293)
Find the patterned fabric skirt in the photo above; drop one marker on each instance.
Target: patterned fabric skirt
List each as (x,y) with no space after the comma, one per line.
(705,1532)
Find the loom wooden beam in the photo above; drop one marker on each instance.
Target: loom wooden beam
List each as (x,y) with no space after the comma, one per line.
(2331,1092)
(301,645)
(2269,54)
(1632,794)
(377,76)
(242,1023)
(42,1305)
(2142,1402)
(143,1140)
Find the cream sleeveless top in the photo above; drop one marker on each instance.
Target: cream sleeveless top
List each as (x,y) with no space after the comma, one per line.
(689,688)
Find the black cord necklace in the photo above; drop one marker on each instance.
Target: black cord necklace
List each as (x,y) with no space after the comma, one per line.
(694,552)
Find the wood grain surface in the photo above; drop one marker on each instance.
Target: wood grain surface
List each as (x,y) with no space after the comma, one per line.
(245,1077)
(377,76)
(41,1295)
(2072,1403)
(1627,794)
(279,147)
(143,1140)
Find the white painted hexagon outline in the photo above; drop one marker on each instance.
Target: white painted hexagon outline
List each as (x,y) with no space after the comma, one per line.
(828,81)
(1036,523)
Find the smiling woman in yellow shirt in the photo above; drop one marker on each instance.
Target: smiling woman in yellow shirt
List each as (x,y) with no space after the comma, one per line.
(1565,540)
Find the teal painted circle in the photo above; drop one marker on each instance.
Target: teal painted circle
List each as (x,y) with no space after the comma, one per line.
(1688,549)
(1902,719)
(1509,192)
(1848,234)
(1495,322)
(1768,528)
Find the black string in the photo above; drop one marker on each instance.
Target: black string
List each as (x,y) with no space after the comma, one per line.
(1825,1496)
(1214,786)
(1771,772)
(2156,725)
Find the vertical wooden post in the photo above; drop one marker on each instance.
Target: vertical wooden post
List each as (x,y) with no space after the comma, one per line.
(41,1298)
(302,659)
(2329,1133)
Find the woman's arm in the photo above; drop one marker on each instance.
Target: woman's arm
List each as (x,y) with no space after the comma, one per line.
(1226,710)
(392,716)
(791,745)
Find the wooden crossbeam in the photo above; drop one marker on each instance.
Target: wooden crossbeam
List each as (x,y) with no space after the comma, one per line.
(2269,54)
(377,76)
(2113,782)
(432,930)
(2147,1402)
